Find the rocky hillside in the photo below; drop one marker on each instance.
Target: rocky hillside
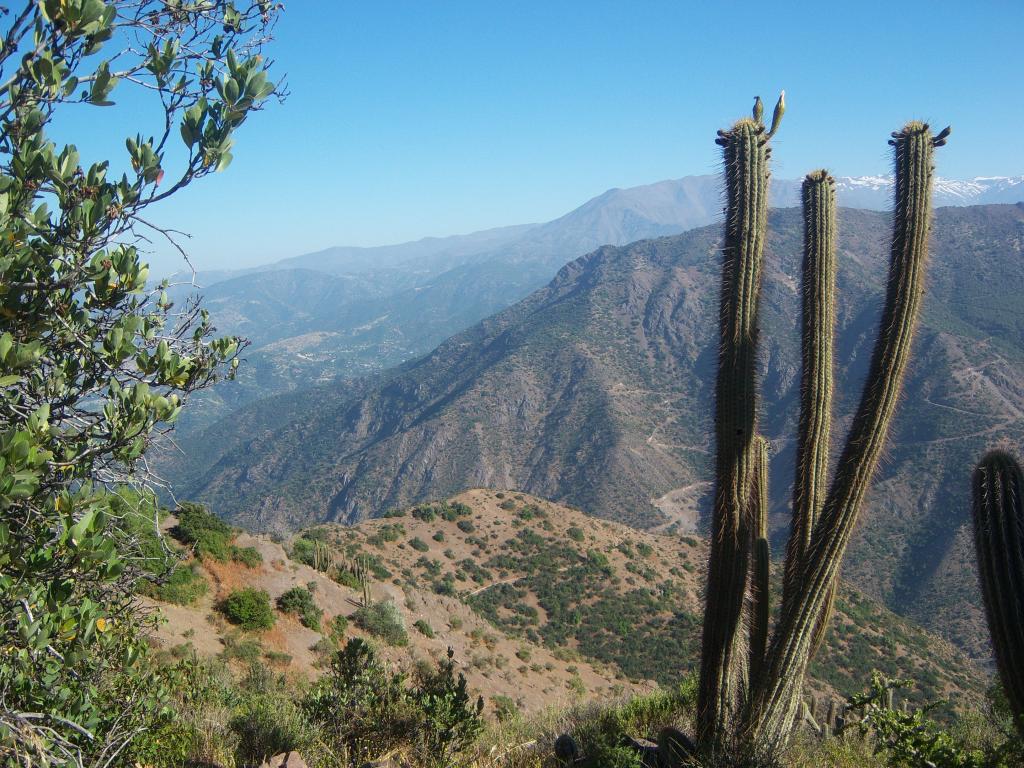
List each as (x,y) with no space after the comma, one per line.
(596,390)
(542,605)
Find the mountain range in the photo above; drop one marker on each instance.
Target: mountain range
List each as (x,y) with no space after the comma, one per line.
(351,311)
(596,390)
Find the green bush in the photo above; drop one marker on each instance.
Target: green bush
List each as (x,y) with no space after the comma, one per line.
(299,600)
(247,556)
(184,586)
(346,578)
(383,620)
(600,734)
(419,544)
(304,549)
(249,609)
(206,533)
(424,628)
(238,648)
(576,534)
(338,626)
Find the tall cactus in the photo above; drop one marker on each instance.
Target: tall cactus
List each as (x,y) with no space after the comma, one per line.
(999,542)
(723,666)
(750,702)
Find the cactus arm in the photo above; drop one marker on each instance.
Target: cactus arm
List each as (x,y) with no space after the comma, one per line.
(760,593)
(999,542)
(772,709)
(818,341)
(723,660)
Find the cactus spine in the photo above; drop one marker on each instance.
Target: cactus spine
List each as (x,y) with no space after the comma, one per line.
(999,542)
(751,702)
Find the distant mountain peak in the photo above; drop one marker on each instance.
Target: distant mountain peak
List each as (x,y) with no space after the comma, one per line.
(977,191)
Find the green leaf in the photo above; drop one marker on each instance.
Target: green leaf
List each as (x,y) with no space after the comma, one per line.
(79,529)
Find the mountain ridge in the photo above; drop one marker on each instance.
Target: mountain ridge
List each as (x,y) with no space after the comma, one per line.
(394,303)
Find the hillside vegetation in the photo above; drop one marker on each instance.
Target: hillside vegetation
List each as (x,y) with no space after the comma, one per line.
(543,605)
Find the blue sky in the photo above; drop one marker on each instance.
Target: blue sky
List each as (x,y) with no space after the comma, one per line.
(409,119)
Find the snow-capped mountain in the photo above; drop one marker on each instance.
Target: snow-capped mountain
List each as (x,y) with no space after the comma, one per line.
(875,192)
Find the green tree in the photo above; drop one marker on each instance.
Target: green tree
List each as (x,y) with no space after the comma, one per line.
(94,361)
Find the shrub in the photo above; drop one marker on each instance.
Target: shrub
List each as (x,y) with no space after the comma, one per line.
(364,709)
(424,628)
(383,620)
(451,512)
(183,587)
(450,722)
(466,526)
(446,586)
(299,600)
(249,609)
(278,657)
(505,708)
(247,556)
(238,648)
(419,544)
(426,514)
(438,537)
(268,725)
(574,533)
(600,734)
(359,706)
(306,547)
(323,650)
(206,533)
(346,578)
(338,626)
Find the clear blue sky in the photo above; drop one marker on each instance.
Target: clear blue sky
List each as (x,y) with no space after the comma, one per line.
(409,119)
